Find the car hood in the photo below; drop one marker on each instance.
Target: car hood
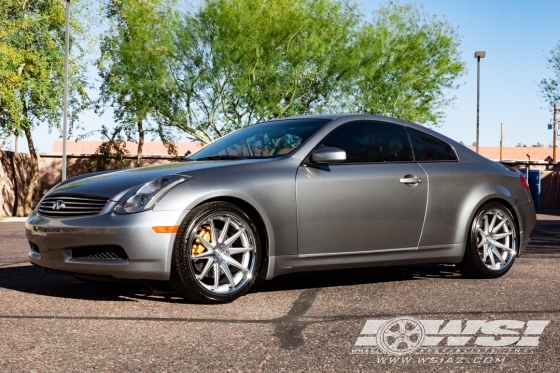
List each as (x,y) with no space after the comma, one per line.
(116,184)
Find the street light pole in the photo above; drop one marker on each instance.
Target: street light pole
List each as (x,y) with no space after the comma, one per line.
(478,56)
(65,118)
(555,129)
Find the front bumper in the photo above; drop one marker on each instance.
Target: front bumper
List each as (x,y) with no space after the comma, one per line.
(148,254)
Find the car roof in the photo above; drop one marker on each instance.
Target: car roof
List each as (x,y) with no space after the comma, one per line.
(348,116)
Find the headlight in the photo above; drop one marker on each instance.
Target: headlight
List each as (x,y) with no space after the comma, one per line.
(146,196)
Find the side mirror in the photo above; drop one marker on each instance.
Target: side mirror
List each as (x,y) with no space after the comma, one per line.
(328,155)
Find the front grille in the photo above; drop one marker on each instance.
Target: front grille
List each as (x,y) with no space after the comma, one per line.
(99,252)
(70,205)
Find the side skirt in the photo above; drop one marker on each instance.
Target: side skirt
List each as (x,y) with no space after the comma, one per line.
(280,265)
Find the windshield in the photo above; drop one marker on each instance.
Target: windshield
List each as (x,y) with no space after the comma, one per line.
(265,140)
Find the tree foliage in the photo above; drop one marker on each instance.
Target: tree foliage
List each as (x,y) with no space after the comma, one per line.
(550,88)
(31,71)
(408,64)
(243,61)
(32,61)
(134,64)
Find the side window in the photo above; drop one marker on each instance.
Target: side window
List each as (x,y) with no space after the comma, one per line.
(371,141)
(428,148)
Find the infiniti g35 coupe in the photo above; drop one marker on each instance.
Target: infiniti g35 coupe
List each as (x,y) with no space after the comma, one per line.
(305,193)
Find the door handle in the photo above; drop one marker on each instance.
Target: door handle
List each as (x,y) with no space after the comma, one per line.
(410,179)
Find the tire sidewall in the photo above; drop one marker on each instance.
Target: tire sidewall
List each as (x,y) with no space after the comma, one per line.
(182,256)
(472,245)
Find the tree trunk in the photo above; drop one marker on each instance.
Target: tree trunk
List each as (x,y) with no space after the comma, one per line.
(6,139)
(34,181)
(2,182)
(140,143)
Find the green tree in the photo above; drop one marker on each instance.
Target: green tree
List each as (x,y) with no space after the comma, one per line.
(244,61)
(31,71)
(112,151)
(550,88)
(408,63)
(135,53)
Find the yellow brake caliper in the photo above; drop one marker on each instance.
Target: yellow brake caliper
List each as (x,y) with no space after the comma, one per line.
(198,247)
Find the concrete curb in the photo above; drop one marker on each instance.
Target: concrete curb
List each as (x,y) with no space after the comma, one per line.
(13,219)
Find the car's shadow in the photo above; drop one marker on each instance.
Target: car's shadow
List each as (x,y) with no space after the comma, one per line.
(355,276)
(34,280)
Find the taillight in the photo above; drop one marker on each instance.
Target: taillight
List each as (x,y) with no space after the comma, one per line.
(523,181)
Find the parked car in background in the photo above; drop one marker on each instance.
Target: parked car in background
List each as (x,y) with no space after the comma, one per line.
(306,193)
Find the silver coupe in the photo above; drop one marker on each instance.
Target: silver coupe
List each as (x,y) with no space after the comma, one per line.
(296,194)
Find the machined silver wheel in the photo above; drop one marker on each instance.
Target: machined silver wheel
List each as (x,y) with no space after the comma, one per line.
(492,243)
(222,252)
(217,253)
(496,239)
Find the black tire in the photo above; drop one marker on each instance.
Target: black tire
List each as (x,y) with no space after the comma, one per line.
(474,264)
(185,267)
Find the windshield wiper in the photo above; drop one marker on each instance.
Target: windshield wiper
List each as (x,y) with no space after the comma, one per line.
(218,157)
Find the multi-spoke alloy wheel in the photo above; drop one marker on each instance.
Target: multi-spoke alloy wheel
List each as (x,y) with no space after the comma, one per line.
(495,238)
(216,254)
(493,243)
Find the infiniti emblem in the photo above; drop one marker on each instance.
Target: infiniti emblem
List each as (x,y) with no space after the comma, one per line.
(58,205)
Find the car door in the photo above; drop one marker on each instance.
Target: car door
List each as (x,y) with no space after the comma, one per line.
(450,180)
(375,200)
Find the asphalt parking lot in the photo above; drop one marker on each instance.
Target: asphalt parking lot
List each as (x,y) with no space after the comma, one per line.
(306,322)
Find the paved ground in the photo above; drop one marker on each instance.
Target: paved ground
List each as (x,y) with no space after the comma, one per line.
(306,322)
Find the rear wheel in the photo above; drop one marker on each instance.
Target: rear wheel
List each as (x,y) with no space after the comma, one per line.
(492,243)
(217,254)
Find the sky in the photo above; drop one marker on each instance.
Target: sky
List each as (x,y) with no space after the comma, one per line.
(517,36)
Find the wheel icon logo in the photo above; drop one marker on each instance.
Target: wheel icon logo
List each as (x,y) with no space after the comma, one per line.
(400,336)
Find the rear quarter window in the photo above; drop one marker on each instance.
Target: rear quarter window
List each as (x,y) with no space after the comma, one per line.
(428,148)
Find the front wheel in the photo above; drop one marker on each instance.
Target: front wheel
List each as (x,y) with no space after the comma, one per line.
(216,256)
(492,243)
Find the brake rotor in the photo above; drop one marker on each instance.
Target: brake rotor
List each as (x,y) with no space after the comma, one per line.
(198,247)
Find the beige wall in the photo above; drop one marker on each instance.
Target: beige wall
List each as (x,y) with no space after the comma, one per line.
(50,166)
(15,171)
(149,147)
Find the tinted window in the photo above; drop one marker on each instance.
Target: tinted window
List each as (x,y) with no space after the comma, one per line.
(369,141)
(266,140)
(428,148)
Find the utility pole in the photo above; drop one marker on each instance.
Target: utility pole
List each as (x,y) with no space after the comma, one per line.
(501,141)
(554,129)
(478,56)
(65,116)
